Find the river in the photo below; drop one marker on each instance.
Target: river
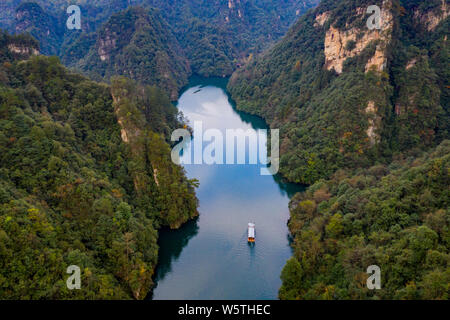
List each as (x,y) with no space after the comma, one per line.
(209,258)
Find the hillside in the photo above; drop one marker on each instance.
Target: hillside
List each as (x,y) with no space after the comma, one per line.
(219,35)
(396,217)
(364,119)
(85,178)
(216,36)
(345,96)
(32,19)
(136,43)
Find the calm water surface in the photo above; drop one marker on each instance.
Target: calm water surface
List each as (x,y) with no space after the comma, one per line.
(209,258)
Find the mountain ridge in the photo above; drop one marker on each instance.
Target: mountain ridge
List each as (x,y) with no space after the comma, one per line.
(349,89)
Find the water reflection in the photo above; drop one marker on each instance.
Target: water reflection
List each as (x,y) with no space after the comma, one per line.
(173,242)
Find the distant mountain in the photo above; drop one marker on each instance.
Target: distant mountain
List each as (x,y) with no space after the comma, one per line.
(216,36)
(94,12)
(219,35)
(7,14)
(345,96)
(136,43)
(32,19)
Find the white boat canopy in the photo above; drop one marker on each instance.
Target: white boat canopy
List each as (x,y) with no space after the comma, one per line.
(251,230)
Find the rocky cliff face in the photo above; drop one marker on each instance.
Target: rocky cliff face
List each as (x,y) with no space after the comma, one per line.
(131,134)
(321,18)
(374,122)
(432,18)
(22,50)
(342,44)
(234,8)
(21,47)
(318,87)
(106,45)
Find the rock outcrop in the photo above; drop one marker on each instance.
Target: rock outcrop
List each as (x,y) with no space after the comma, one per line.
(322,18)
(373,119)
(22,50)
(342,44)
(432,18)
(105,46)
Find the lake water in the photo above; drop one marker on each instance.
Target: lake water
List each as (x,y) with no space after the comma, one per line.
(209,258)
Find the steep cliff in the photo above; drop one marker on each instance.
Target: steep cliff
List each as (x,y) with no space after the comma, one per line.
(343,44)
(17,47)
(345,95)
(432,18)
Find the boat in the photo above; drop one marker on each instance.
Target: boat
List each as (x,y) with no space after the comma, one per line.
(251,232)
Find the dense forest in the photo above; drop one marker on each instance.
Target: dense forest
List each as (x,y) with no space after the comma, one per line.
(136,43)
(219,35)
(396,217)
(85,179)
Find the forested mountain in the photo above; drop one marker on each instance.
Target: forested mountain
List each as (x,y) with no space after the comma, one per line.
(216,36)
(345,96)
(46,20)
(94,12)
(86,179)
(32,19)
(136,43)
(219,35)
(396,217)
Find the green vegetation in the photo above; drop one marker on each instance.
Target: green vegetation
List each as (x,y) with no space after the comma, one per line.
(23,40)
(72,192)
(396,217)
(219,35)
(137,43)
(215,36)
(324,117)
